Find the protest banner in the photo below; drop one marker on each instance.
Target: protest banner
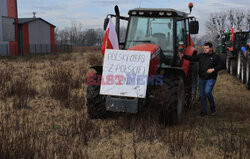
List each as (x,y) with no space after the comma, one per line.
(125,73)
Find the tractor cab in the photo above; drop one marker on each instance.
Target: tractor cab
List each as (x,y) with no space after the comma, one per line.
(166,28)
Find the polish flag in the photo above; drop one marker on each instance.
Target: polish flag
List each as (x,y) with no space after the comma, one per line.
(110,39)
(191,41)
(232,35)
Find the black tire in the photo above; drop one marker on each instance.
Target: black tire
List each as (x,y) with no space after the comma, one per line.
(172,101)
(96,103)
(243,72)
(247,82)
(223,57)
(233,67)
(192,85)
(238,66)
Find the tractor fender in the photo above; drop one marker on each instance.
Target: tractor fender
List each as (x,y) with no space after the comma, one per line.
(98,69)
(190,51)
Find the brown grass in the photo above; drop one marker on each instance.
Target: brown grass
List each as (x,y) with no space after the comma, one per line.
(43,115)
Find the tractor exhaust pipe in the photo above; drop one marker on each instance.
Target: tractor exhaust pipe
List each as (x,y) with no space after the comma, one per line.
(117,22)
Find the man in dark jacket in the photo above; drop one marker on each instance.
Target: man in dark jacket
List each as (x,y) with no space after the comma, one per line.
(209,65)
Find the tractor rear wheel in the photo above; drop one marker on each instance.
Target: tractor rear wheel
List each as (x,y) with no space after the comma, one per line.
(247,81)
(172,102)
(239,66)
(191,90)
(96,103)
(243,72)
(233,67)
(228,65)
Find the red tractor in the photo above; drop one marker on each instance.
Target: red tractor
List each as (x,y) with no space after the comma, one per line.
(164,33)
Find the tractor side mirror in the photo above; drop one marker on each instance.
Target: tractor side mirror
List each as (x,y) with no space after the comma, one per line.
(106,22)
(194,27)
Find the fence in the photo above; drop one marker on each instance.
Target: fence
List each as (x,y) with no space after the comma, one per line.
(12,49)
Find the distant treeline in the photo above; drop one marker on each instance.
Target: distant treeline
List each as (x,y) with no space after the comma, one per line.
(76,35)
(217,23)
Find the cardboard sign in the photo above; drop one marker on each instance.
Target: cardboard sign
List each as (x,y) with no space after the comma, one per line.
(125,73)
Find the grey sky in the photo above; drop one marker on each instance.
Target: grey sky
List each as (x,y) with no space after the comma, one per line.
(91,13)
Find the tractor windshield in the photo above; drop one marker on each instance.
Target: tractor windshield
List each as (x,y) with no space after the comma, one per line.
(157,31)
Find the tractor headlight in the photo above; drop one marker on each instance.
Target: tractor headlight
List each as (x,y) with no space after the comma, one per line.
(161,13)
(141,13)
(169,13)
(134,13)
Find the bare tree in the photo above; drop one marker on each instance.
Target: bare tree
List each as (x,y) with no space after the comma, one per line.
(100,36)
(236,18)
(91,37)
(248,20)
(63,36)
(198,40)
(75,33)
(77,36)
(224,21)
(216,25)
(56,31)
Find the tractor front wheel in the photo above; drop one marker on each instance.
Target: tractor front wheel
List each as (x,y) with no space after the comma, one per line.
(239,66)
(96,103)
(173,99)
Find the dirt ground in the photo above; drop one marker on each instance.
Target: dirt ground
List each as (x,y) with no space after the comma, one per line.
(43,115)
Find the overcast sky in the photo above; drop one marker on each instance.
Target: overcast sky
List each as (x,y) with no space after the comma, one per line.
(91,13)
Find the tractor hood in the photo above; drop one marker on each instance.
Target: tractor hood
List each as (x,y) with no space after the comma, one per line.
(155,51)
(146,47)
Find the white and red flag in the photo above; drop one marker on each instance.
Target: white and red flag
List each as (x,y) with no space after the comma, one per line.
(110,39)
(232,35)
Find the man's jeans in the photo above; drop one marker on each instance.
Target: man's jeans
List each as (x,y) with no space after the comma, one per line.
(205,90)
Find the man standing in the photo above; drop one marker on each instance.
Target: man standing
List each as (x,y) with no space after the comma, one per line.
(209,65)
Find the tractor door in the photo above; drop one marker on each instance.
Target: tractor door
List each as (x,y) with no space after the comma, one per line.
(184,44)
(180,40)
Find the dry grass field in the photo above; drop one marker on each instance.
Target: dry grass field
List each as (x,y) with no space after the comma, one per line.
(43,115)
